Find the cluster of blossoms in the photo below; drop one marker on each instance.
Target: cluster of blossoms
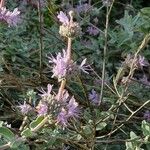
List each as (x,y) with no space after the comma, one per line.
(61,68)
(25,108)
(61,110)
(136,63)
(94,97)
(68,28)
(11,18)
(92,30)
(65,108)
(144,80)
(139,62)
(83,8)
(69,110)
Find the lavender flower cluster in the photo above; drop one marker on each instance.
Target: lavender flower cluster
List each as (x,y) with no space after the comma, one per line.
(61,110)
(61,106)
(69,28)
(61,68)
(138,63)
(12,18)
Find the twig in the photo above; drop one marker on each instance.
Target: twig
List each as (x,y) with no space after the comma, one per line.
(105,51)
(41,36)
(6,146)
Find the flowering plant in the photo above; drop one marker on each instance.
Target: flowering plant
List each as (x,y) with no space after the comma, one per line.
(69,104)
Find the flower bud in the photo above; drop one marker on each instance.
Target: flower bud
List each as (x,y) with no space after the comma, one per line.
(70,30)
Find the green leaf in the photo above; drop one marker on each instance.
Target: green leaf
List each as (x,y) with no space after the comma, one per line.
(146,128)
(21,147)
(7,133)
(36,122)
(87,129)
(16,144)
(100,126)
(1,123)
(27,133)
(129,146)
(133,135)
(146,11)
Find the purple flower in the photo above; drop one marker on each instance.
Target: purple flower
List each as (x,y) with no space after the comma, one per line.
(94,97)
(69,110)
(73,110)
(147,115)
(142,62)
(60,65)
(63,18)
(144,80)
(25,108)
(42,109)
(48,93)
(62,68)
(11,18)
(83,8)
(92,30)
(84,67)
(62,118)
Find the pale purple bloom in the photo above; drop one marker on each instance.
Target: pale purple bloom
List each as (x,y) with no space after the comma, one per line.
(62,118)
(63,18)
(83,8)
(60,65)
(83,66)
(94,97)
(11,18)
(69,110)
(147,115)
(48,93)
(92,30)
(144,80)
(25,108)
(142,62)
(42,109)
(73,110)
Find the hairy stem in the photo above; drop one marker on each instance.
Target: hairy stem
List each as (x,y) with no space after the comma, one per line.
(105,51)
(41,35)
(69,50)
(61,88)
